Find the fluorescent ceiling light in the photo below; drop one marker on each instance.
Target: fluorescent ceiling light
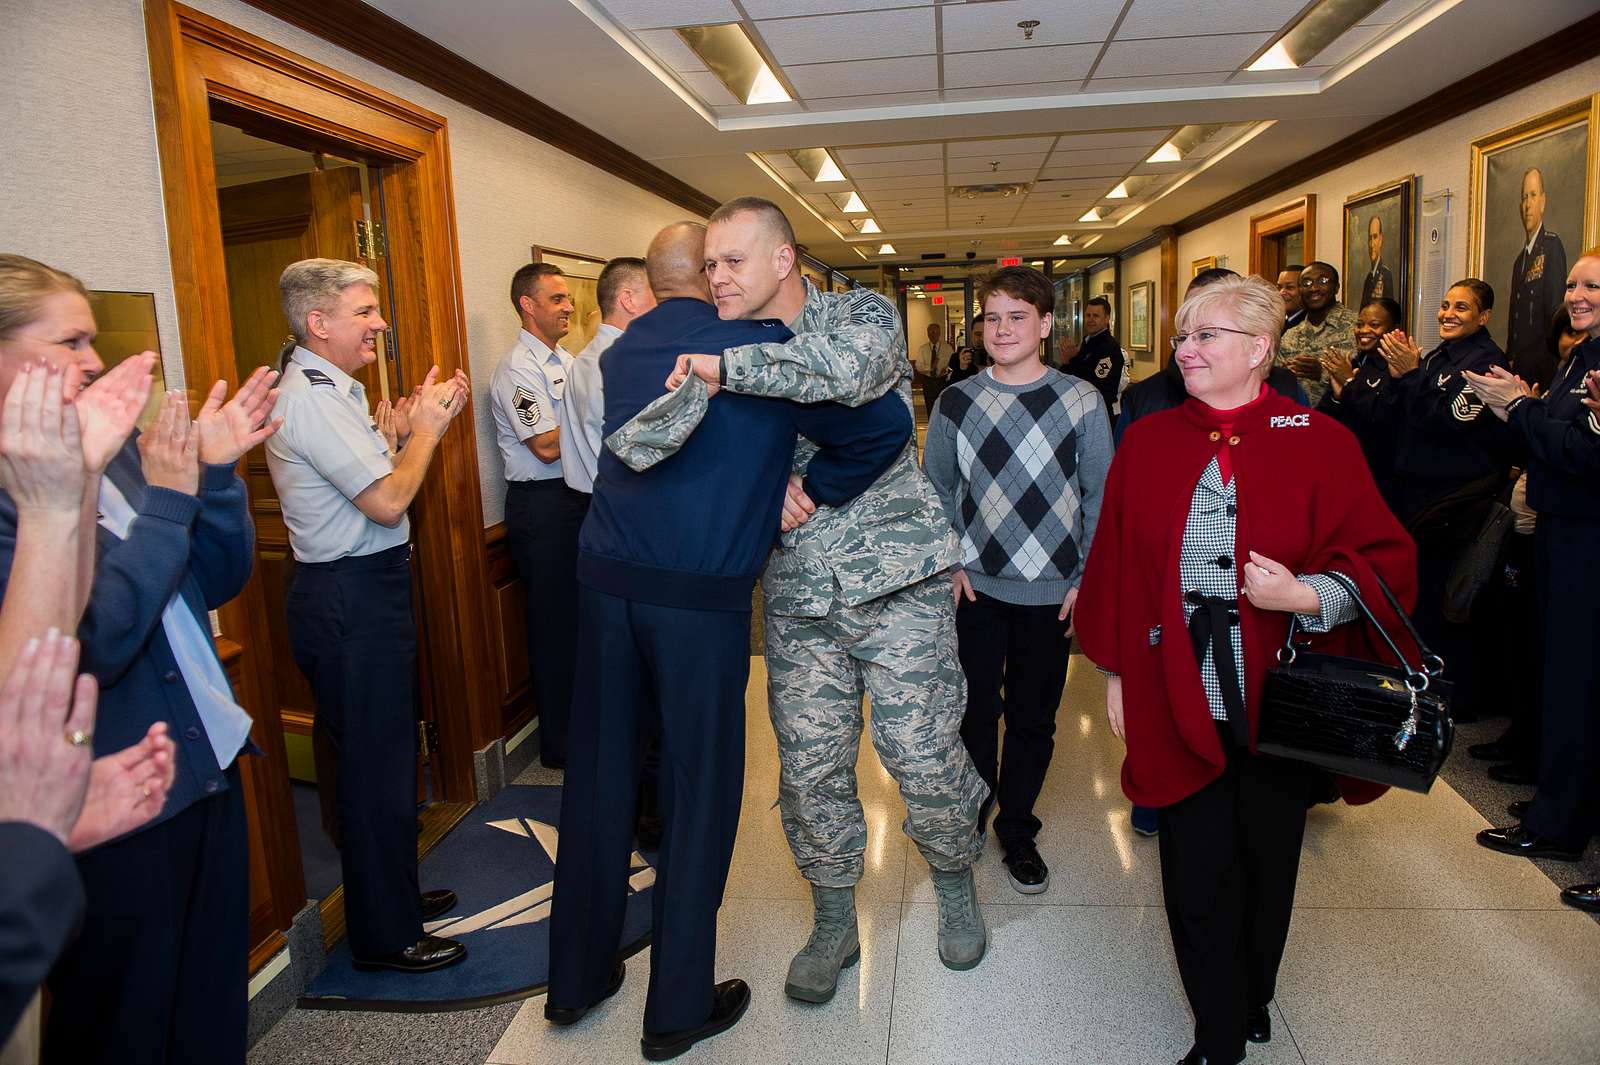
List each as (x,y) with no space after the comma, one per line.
(868,225)
(1275,58)
(1037,263)
(1092,240)
(1091,215)
(853,204)
(1167,153)
(817,164)
(1063,240)
(886,249)
(1118,193)
(728,53)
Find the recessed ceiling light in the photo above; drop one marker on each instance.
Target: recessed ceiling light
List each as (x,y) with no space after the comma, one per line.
(1275,58)
(1091,215)
(1091,241)
(886,249)
(1118,193)
(868,225)
(1167,153)
(728,53)
(1063,240)
(853,204)
(1037,264)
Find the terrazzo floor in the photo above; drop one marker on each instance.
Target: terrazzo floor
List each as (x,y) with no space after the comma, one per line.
(1410,945)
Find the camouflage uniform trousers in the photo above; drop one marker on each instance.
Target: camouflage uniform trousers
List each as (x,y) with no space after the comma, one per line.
(901,649)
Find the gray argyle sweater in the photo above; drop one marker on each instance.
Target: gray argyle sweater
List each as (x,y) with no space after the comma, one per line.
(1021,470)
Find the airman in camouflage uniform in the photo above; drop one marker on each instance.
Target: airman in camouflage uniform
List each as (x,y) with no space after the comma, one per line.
(856,600)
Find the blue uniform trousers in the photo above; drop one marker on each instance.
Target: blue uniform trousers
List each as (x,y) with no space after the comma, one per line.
(1567,807)
(694,665)
(159,972)
(353,636)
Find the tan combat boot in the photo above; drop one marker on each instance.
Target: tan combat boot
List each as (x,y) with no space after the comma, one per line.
(834,945)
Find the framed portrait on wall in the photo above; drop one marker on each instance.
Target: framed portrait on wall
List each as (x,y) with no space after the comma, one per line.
(1140,299)
(1208,263)
(1532,211)
(1379,233)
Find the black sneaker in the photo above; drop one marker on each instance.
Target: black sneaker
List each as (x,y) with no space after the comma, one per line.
(1026,869)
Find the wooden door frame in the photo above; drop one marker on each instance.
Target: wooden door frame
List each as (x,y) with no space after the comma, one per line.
(1301,211)
(194,59)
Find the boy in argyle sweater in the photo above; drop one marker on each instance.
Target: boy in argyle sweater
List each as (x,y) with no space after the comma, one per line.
(1018,454)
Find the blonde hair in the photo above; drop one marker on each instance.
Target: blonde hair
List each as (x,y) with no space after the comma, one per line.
(314,284)
(24,283)
(1251,301)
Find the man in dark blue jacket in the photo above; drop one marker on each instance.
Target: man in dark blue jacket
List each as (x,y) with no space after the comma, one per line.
(666,552)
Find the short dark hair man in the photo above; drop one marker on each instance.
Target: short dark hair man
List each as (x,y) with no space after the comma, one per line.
(623,292)
(1328,325)
(1099,359)
(1288,288)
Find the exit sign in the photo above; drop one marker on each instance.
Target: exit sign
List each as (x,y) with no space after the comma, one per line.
(932,286)
(938,301)
(1014,261)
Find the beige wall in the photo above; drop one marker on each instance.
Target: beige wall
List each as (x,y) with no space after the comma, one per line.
(1440,156)
(83,188)
(1145,266)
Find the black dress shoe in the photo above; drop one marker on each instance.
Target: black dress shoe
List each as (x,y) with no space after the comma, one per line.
(1583,896)
(1497,751)
(1512,773)
(1258,1025)
(437,903)
(561,1016)
(423,956)
(728,1002)
(1518,809)
(1514,839)
(1194,1057)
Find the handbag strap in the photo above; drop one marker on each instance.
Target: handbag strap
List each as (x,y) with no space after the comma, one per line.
(1425,672)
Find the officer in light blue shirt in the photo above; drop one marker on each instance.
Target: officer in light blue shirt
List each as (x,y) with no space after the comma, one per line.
(344,496)
(542,513)
(623,292)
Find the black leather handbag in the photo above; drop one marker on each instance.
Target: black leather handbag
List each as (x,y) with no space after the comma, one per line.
(1369,720)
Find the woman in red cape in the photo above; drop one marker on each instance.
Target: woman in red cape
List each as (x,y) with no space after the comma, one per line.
(1221,519)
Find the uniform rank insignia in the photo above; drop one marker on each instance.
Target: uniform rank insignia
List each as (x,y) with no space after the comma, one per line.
(527,405)
(1444,380)
(866,307)
(1102,369)
(1466,406)
(316,377)
(1535,269)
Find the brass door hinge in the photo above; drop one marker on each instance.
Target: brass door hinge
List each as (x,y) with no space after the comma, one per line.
(370,240)
(427,738)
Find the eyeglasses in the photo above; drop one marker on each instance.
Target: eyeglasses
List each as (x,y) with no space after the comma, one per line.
(1307,282)
(1204,337)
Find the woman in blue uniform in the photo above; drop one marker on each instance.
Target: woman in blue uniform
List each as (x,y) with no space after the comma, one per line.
(1359,383)
(1562,436)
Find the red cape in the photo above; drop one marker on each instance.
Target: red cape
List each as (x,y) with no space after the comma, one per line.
(1306,499)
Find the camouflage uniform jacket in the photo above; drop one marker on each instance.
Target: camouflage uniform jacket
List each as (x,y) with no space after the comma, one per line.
(849,347)
(1337,333)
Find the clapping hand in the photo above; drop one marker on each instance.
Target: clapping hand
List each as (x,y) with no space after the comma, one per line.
(402,416)
(1340,365)
(1497,388)
(1306,367)
(41,449)
(46,728)
(1591,386)
(109,407)
(438,402)
(383,417)
(1400,351)
(126,789)
(228,430)
(170,450)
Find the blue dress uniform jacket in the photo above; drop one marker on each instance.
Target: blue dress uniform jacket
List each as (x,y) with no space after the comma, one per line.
(202,547)
(1444,432)
(1538,283)
(1562,437)
(1099,362)
(41,901)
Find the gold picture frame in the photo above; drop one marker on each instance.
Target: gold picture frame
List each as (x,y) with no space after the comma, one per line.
(1392,206)
(1529,273)
(1208,263)
(1141,300)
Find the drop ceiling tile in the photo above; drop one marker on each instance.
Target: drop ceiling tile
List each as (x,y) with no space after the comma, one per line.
(1116,138)
(1083,156)
(642,14)
(1158,81)
(709,88)
(867,35)
(904,185)
(901,74)
(1084,172)
(1014,92)
(1016,66)
(899,168)
(759,9)
(980,164)
(889,153)
(1184,55)
(669,48)
(1001,146)
(969,27)
(1184,18)
(871,99)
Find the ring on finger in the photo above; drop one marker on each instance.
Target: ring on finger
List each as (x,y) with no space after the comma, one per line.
(80,737)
